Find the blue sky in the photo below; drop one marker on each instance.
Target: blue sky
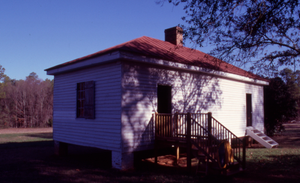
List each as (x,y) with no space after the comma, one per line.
(38,34)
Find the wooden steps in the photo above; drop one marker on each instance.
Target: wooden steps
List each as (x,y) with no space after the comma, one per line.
(261,137)
(206,165)
(206,143)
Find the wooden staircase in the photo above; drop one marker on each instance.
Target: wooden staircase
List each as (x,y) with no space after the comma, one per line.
(261,137)
(202,136)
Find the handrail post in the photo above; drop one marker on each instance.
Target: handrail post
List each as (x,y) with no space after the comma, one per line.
(156,124)
(156,134)
(171,126)
(209,116)
(175,130)
(244,153)
(188,141)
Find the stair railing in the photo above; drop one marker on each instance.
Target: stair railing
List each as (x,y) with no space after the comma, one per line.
(220,132)
(200,129)
(204,140)
(164,125)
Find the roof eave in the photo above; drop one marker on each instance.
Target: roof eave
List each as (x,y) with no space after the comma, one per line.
(119,54)
(84,62)
(176,65)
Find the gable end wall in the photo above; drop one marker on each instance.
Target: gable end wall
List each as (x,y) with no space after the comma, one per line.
(103,131)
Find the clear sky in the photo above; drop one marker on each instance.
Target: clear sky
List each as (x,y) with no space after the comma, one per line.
(38,34)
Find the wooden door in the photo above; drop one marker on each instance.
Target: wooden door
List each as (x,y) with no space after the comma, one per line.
(249,109)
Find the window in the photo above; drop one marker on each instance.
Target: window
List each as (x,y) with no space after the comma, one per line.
(80,99)
(86,100)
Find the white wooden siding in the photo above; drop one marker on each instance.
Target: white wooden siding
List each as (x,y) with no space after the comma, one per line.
(191,92)
(103,131)
(233,111)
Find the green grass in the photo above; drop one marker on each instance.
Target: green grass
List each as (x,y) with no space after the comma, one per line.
(274,162)
(25,137)
(29,157)
(273,155)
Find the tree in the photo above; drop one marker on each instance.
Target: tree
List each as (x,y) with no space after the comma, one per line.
(2,75)
(264,33)
(2,78)
(4,116)
(28,103)
(280,104)
(292,81)
(32,76)
(25,103)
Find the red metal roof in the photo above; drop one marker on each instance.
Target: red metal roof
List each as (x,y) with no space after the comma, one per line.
(155,48)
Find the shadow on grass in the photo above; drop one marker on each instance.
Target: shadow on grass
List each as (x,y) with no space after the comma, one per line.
(276,168)
(17,145)
(48,135)
(265,167)
(36,162)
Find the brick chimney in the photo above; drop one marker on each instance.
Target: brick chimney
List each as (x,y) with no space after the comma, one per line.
(174,35)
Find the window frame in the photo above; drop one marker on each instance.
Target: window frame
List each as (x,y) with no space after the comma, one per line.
(85,100)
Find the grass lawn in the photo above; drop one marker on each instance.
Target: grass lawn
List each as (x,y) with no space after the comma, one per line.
(25,137)
(30,158)
(273,165)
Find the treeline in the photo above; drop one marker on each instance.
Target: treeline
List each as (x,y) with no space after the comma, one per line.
(25,103)
(28,103)
(282,100)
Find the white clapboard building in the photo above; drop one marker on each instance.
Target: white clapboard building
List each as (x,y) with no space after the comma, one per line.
(107,99)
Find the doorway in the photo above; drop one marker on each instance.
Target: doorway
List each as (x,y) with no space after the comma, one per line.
(249,109)
(164,99)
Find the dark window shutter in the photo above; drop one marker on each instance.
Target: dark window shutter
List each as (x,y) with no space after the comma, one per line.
(89,104)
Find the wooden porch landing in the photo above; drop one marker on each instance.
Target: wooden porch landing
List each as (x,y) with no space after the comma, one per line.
(202,137)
